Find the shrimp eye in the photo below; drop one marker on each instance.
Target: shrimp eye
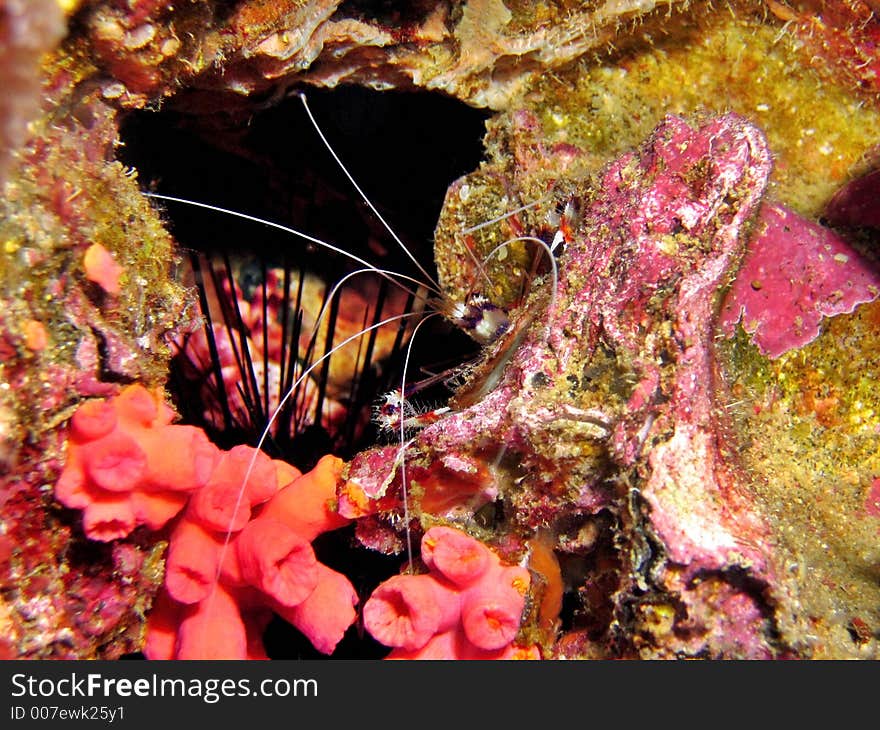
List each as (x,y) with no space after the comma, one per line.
(481,319)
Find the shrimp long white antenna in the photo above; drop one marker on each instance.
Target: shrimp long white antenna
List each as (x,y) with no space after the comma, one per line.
(338,285)
(357,187)
(403,485)
(271,422)
(504,216)
(390,275)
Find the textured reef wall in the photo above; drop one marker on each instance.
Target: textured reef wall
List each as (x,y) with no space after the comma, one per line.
(669,446)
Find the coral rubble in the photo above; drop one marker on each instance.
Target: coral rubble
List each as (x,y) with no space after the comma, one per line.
(462,49)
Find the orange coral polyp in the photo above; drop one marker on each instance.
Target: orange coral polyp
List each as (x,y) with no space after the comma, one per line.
(491,616)
(279,562)
(305,505)
(261,481)
(71,489)
(155,509)
(115,462)
(127,465)
(139,407)
(220,504)
(455,555)
(193,561)
(160,641)
(482,602)
(325,615)
(92,420)
(217,506)
(213,629)
(407,610)
(101,268)
(183,469)
(109,519)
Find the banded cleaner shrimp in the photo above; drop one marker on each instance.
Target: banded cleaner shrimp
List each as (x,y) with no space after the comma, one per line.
(486,320)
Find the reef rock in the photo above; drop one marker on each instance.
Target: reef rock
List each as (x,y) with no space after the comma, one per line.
(602,409)
(467,49)
(703,500)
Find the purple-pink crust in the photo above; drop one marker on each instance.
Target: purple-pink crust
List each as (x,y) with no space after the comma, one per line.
(794,274)
(605,400)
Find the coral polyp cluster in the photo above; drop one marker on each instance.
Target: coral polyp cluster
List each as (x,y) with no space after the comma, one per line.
(667,450)
(228,570)
(469,606)
(128,465)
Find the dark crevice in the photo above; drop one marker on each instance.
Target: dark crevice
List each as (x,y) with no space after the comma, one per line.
(747,583)
(403,149)
(106,374)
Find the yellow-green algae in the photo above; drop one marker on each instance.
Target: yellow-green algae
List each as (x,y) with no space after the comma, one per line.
(65,193)
(810,429)
(705,59)
(485,260)
(727,60)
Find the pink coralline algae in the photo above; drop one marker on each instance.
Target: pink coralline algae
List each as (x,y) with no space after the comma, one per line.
(469,606)
(128,465)
(450,485)
(228,571)
(794,274)
(602,400)
(872,501)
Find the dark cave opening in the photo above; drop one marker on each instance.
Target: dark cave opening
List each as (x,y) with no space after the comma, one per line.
(404,149)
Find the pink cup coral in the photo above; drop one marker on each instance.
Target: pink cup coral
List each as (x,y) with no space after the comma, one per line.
(469,606)
(127,465)
(220,591)
(242,548)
